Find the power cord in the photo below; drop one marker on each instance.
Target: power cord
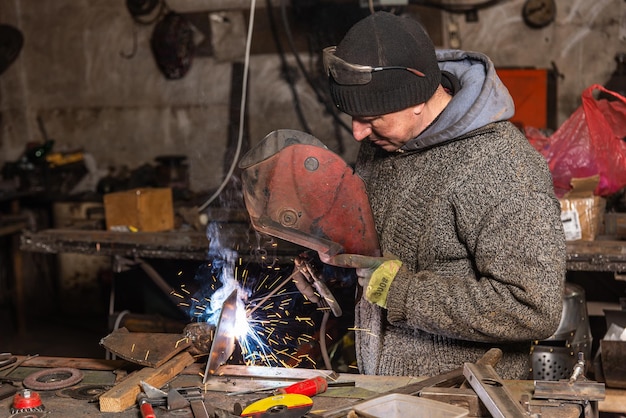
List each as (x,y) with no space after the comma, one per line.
(242,112)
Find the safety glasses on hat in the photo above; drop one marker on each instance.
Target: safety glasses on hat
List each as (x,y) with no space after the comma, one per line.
(354,74)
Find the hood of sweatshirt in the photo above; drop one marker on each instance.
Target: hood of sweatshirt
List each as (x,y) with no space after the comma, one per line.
(480,99)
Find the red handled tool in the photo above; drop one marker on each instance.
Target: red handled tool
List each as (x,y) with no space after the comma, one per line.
(308,387)
(145,407)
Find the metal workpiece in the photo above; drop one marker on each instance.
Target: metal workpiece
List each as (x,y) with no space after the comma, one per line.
(577,390)
(223,344)
(492,392)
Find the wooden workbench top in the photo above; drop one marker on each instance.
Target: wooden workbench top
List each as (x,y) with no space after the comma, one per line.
(105,373)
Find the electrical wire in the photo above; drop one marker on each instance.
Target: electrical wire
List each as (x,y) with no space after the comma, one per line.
(456,8)
(242,112)
(330,109)
(285,69)
(323,348)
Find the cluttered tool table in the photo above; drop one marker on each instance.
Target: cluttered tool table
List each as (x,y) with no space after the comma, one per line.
(79,387)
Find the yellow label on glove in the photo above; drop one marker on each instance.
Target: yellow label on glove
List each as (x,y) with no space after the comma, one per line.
(378,286)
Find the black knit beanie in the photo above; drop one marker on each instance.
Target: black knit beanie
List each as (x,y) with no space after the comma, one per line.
(384,39)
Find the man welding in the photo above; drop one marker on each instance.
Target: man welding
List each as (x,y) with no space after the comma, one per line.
(467,220)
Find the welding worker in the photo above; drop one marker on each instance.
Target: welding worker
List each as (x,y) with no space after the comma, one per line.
(469,226)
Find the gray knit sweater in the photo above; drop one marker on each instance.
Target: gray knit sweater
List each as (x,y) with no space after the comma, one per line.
(474,219)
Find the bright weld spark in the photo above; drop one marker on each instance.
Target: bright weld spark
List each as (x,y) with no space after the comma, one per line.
(180,272)
(178,295)
(264,314)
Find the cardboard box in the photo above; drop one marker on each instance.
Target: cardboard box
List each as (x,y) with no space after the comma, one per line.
(582,212)
(145,209)
(613,350)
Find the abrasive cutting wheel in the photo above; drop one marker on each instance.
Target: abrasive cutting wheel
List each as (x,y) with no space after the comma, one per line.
(53,379)
(86,393)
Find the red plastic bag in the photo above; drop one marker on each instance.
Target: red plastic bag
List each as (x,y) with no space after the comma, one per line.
(591,141)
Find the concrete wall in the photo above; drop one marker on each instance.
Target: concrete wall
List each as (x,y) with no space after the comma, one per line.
(74,72)
(581,43)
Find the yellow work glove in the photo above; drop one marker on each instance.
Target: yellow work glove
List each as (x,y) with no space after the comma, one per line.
(379,282)
(375,273)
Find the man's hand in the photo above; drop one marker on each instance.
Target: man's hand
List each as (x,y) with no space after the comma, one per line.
(375,273)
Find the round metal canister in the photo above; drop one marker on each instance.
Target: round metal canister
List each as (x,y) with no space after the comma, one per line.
(554,358)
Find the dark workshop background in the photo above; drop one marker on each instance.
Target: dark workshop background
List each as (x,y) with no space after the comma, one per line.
(87,79)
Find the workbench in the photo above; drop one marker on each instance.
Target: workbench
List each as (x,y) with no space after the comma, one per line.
(105,372)
(603,254)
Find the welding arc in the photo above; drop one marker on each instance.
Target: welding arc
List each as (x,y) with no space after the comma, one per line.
(272,293)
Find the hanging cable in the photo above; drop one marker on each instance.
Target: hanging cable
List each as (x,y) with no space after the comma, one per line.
(242,112)
(451,7)
(285,69)
(330,109)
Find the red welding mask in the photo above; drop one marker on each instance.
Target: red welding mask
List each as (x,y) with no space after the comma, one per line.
(297,190)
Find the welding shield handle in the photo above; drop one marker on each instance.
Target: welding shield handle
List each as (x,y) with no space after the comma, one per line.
(351,260)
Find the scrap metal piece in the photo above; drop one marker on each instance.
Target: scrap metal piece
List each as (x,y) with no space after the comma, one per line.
(7,359)
(563,390)
(463,398)
(224,341)
(175,400)
(491,390)
(150,349)
(151,391)
(199,409)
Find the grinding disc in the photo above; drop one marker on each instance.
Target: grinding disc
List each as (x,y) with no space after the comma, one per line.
(290,405)
(86,392)
(53,379)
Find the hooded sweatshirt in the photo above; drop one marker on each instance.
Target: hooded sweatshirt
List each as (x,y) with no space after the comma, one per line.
(468,207)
